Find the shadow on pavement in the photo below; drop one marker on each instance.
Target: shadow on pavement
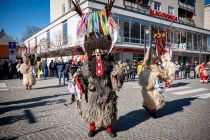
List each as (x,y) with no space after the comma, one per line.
(12,119)
(32,105)
(130,120)
(53,86)
(136,117)
(172,107)
(179,84)
(33,99)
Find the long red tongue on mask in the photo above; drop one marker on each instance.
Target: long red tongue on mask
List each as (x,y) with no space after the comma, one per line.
(99,71)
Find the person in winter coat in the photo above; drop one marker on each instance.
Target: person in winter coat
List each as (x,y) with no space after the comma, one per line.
(18,69)
(60,69)
(51,67)
(187,71)
(182,71)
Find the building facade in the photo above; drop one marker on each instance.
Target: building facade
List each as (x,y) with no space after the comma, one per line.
(206,17)
(7,51)
(181,20)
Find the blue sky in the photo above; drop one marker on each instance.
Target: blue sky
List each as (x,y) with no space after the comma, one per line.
(16,15)
(207,1)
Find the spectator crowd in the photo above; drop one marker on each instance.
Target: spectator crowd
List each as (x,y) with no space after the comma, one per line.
(61,69)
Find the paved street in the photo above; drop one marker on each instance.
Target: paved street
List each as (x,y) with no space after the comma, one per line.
(45,113)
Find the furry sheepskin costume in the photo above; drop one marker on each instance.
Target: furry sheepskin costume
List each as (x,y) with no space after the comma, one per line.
(26,69)
(102,77)
(153,71)
(102,108)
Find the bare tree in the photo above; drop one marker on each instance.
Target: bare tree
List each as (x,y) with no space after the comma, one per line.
(55,46)
(30,31)
(43,47)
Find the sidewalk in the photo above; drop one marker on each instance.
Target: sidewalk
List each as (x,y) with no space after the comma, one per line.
(45,113)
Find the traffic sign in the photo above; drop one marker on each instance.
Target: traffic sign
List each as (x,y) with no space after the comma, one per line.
(12,45)
(12,57)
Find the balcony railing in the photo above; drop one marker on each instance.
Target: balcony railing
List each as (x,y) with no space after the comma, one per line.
(186,6)
(136,7)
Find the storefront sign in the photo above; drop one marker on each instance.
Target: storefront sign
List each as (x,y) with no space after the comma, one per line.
(181,46)
(163,15)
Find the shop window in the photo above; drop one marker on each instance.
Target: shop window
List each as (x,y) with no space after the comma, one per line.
(199,41)
(124,29)
(189,40)
(157,6)
(135,31)
(183,37)
(145,32)
(204,42)
(195,41)
(176,37)
(169,37)
(138,57)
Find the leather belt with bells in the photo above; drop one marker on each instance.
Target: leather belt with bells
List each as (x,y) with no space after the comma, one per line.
(99,70)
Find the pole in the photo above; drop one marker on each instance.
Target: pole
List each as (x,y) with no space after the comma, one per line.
(144,42)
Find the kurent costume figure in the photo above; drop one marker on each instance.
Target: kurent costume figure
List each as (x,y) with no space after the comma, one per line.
(158,69)
(27,69)
(203,71)
(98,32)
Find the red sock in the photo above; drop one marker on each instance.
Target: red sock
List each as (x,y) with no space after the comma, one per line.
(109,129)
(92,127)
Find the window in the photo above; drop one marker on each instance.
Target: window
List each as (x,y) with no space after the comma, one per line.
(157,6)
(63,9)
(145,32)
(77,1)
(138,57)
(65,33)
(204,43)
(124,24)
(195,41)
(48,39)
(189,40)
(69,4)
(199,40)
(35,43)
(171,10)
(135,31)
(176,37)
(183,36)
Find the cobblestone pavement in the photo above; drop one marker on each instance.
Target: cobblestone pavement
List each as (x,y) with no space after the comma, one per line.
(45,113)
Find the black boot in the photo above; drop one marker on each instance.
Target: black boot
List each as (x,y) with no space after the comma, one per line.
(112,134)
(91,133)
(72,98)
(145,108)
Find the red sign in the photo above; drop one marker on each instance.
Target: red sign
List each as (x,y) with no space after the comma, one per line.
(163,15)
(128,50)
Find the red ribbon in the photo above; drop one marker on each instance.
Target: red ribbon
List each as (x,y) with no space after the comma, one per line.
(78,84)
(99,71)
